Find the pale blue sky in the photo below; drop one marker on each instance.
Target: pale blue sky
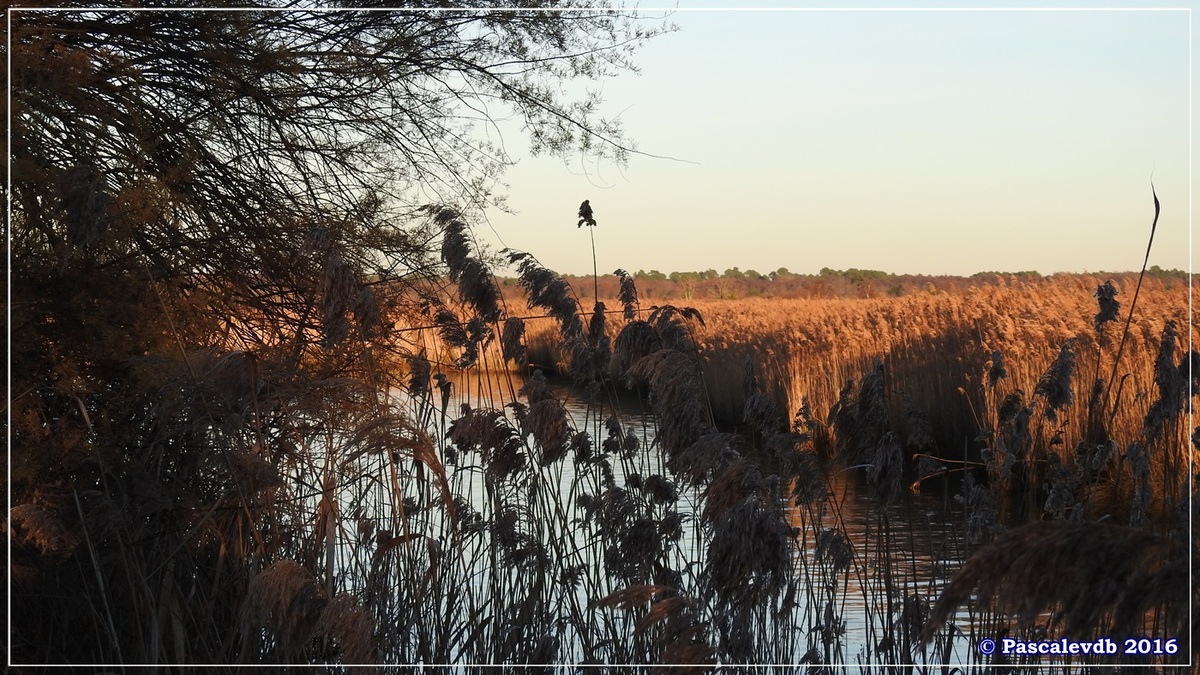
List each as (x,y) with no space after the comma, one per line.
(942,142)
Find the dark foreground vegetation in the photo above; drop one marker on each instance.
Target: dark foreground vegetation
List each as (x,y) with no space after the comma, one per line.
(232,439)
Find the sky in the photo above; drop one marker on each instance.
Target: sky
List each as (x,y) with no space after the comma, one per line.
(913,142)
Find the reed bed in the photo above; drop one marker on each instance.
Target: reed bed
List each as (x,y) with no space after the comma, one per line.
(1025,392)
(366,504)
(937,350)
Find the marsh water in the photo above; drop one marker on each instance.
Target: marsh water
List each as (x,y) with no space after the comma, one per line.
(859,566)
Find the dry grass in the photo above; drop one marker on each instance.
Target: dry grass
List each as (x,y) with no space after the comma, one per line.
(949,360)
(931,343)
(1094,580)
(1004,380)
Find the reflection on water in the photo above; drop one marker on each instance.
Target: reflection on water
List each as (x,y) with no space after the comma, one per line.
(886,562)
(587,409)
(864,575)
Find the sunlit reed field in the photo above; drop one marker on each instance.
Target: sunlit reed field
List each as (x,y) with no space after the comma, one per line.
(943,354)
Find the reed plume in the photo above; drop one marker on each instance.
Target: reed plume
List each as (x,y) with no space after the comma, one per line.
(590,354)
(636,340)
(739,481)
(1096,579)
(536,388)
(633,549)
(660,489)
(476,284)
(43,529)
(760,411)
(834,549)
(512,345)
(707,457)
(547,422)
(750,556)
(675,384)
(887,469)
(582,448)
(419,370)
(1109,307)
(289,601)
(859,420)
(981,516)
(688,654)
(673,327)
(350,624)
(1176,383)
(549,291)
(685,649)
(1055,385)
(627,295)
(803,469)
(996,369)
(489,432)
(338,290)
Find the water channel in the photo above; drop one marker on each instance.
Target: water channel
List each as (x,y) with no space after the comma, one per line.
(905,552)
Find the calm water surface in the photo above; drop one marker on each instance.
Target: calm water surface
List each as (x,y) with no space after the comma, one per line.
(913,551)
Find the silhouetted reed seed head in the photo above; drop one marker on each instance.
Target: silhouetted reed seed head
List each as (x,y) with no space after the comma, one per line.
(759,410)
(887,469)
(671,324)
(735,484)
(288,601)
(1109,306)
(750,557)
(633,596)
(586,217)
(339,292)
(1171,380)
(803,468)
(512,342)
(636,340)
(596,327)
(996,371)
(627,295)
(660,489)
(979,511)
(707,457)
(548,291)
(477,289)
(834,549)
(547,421)
(581,447)
(678,394)
(1055,384)
(1082,572)
(536,388)
(489,432)
(418,373)
(350,624)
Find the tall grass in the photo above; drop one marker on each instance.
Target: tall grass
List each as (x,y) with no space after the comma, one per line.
(1002,386)
(758,610)
(387,509)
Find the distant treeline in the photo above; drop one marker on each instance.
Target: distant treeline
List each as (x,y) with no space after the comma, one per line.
(735,283)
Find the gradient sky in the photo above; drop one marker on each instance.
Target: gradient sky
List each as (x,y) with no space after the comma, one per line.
(939,142)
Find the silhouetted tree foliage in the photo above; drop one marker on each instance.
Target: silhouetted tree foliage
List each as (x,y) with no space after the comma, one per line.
(208,208)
